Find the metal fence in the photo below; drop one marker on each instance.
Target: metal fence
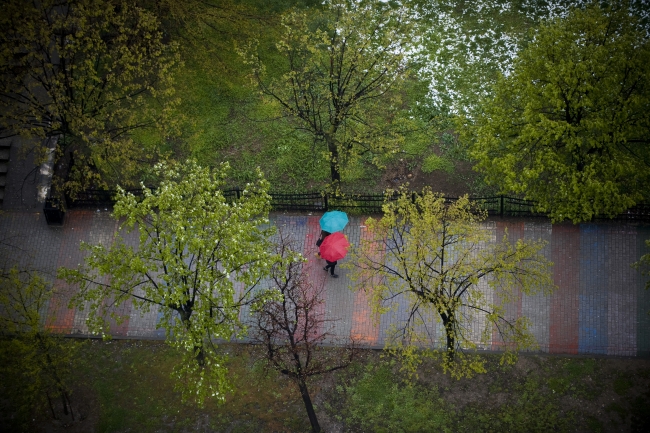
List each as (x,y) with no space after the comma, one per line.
(320,201)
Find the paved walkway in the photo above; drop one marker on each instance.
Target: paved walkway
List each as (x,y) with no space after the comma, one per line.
(601,306)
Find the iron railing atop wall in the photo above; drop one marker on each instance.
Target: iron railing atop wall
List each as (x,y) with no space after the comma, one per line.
(315,201)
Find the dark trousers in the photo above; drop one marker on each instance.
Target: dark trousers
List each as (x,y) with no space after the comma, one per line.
(331,266)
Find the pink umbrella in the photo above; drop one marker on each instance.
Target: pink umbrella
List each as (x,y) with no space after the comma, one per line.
(334,247)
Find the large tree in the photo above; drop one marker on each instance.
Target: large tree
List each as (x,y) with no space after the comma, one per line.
(292,331)
(436,259)
(343,68)
(87,72)
(570,127)
(198,259)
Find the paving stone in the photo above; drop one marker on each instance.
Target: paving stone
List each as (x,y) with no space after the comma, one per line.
(600,305)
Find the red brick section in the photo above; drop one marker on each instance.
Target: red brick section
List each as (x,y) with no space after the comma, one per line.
(365,325)
(565,254)
(515,231)
(76,229)
(314,265)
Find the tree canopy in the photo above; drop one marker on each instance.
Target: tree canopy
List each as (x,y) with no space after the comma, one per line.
(199,257)
(434,257)
(343,68)
(87,72)
(569,127)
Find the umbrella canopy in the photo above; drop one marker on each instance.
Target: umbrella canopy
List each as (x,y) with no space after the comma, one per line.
(333,221)
(334,247)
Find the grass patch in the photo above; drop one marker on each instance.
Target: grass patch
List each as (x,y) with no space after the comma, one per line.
(126,386)
(622,384)
(376,402)
(618,409)
(594,424)
(123,386)
(379,401)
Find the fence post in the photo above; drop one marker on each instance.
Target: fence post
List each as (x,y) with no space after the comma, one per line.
(501,212)
(237,192)
(413,197)
(325,201)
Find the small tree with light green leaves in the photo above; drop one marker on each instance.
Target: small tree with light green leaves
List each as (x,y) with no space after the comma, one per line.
(35,364)
(194,245)
(436,257)
(643,265)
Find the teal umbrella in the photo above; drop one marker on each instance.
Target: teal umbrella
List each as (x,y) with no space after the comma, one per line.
(334,221)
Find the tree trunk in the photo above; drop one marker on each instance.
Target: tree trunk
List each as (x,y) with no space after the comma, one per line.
(67,399)
(49,400)
(448,323)
(315,427)
(335,172)
(64,402)
(200,355)
(185,314)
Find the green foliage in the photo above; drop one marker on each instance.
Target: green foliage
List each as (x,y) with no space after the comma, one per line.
(443,262)
(223,119)
(573,377)
(452,148)
(622,384)
(617,408)
(34,363)
(465,46)
(97,71)
(129,390)
(643,264)
(434,162)
(580,368)
(568,127)
(639,411)
(193,245)
(342,71)
(594,424)
(377,402)
(530,410)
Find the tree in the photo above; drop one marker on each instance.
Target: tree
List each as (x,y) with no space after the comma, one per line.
(193,245)
(569,127)
(643,265)
(87,72)
(35,363)
(343,69)
(438,260)
(292,330)
(209,28)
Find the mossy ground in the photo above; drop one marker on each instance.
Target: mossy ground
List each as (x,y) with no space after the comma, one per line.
(125,385)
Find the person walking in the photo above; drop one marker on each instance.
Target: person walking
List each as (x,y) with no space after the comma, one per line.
(321,238)
(330,266)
